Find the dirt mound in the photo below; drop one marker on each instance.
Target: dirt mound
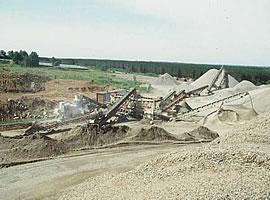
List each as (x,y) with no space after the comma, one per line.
(153,133)
(22,148)
(165,81)
(94,135)
(200,134)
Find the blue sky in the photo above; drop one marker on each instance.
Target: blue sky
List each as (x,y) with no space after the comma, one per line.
(208,31)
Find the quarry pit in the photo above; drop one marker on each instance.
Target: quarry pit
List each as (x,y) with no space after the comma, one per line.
(94,136)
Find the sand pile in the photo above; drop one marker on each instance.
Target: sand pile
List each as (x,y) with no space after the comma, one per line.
(230,114)
(234,168)
(207,78)
(200,134)
(260,99)
(183,86)
(153,133)
(22,148)
(227,115)
(165,81)
(245,85)
(94,135)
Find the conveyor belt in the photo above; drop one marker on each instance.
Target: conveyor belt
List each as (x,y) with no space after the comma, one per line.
(167,99)
(215,79)
(178,98)
(197,90)
(210,105)
(111,112)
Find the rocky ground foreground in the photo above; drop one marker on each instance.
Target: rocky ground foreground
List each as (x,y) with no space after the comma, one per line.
(234,166)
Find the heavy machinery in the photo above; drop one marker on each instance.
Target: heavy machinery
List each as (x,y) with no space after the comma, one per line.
(97,118)
(221,75)
(215,104)
(112,111)
(180,96)
(143,106)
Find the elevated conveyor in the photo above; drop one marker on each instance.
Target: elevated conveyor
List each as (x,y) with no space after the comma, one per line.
(213,82)
(112,111)
(167,99)
(180,96)
(211,105)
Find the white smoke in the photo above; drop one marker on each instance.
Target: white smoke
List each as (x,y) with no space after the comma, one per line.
(72,109)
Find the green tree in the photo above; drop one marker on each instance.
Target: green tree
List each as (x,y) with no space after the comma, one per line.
(134,80)
(26,61)
(11,54)
(3,54)
(34,59)
(55,62)
(23,53)
(17,58)
(25,58)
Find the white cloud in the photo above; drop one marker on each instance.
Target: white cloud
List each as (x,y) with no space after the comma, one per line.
(209,31)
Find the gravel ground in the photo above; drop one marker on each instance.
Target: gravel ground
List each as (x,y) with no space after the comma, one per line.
(236,166)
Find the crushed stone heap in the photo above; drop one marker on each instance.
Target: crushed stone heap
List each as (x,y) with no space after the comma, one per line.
(165,81)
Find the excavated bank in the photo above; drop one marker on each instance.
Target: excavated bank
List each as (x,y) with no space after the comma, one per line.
(153,133)
(23,148)
(94,135)
(29,147)
(25,108)
(21,82)
(200,134)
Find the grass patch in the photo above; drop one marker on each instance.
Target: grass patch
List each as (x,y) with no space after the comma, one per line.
(94,75)
(17,121)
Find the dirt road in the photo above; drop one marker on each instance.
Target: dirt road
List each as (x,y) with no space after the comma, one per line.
(48,179)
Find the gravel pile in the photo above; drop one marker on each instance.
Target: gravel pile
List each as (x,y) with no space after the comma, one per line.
(236,166)
(256,132)
(165,81)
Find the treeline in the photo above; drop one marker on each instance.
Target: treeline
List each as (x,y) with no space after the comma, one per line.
(21,57)
(257,75)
